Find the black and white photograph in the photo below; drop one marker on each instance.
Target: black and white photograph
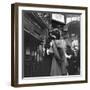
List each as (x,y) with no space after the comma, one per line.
(51,44)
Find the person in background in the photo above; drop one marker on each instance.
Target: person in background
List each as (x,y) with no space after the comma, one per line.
(74,60)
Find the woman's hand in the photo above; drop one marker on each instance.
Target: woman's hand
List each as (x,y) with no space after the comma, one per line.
(68,56)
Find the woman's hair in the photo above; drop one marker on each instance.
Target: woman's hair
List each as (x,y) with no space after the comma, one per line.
(54,34)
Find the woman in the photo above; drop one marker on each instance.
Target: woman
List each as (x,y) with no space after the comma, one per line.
(59,62)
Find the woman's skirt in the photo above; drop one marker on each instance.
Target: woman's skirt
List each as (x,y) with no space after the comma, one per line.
(58,68)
